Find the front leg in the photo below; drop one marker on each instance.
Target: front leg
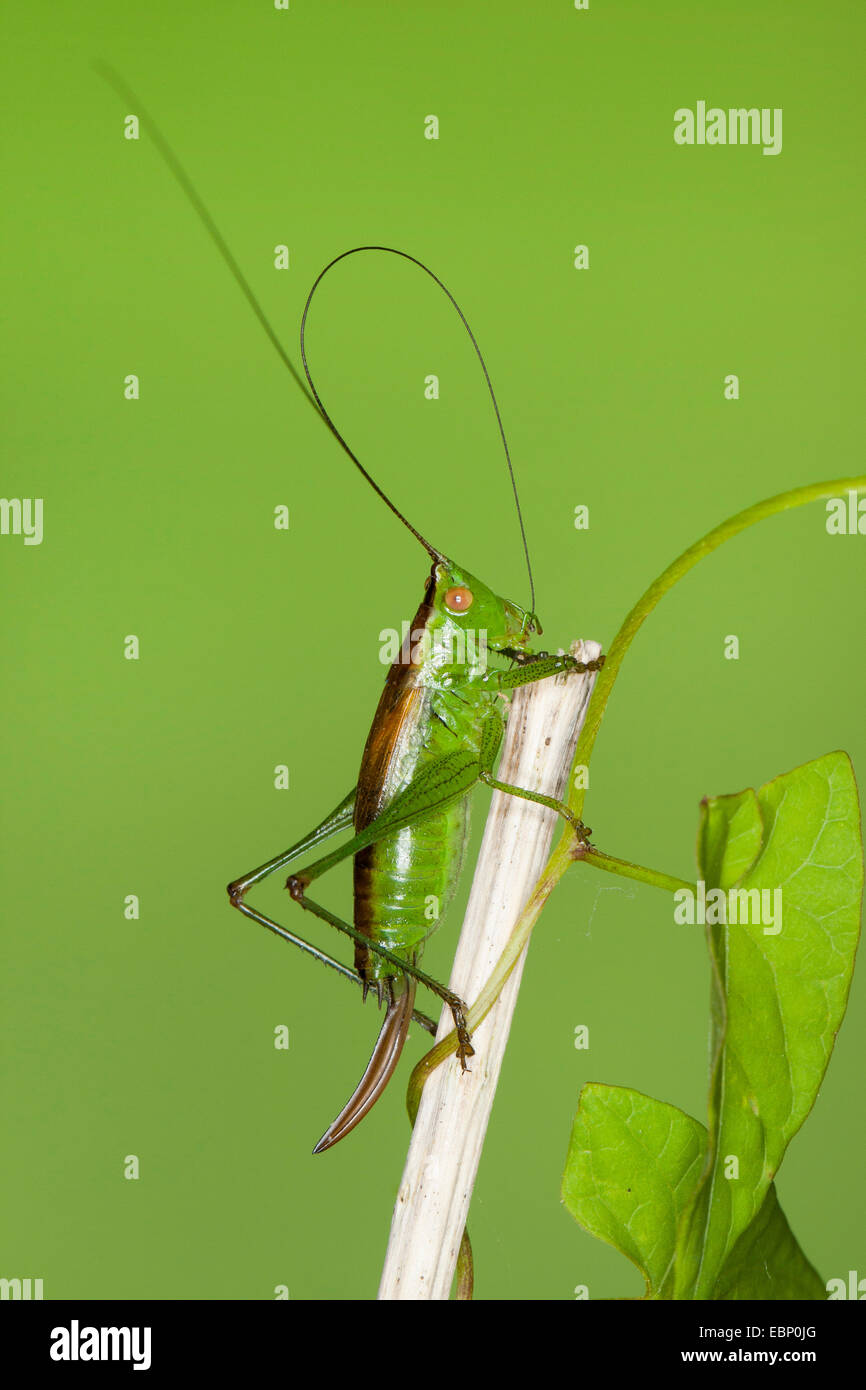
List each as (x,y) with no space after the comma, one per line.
(544,664)
(537,666)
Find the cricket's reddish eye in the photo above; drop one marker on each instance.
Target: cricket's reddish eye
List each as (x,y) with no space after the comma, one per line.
(457,600)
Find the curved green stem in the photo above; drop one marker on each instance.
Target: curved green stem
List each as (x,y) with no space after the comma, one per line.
(783,501)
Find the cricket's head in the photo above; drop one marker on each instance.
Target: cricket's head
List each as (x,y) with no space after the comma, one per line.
(462,602)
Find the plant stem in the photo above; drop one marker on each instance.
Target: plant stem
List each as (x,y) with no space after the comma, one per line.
(430,1212)
(655,877)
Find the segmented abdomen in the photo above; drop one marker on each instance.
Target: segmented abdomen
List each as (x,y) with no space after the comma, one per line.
(404,883)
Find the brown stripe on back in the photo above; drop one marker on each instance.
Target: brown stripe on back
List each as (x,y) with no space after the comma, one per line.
(399,706)
(400,703)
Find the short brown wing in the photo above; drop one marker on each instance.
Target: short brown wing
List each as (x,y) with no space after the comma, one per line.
(400,705)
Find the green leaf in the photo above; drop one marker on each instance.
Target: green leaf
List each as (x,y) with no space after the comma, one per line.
(729,837)
(779,991)
(696,1210)
(633,1164)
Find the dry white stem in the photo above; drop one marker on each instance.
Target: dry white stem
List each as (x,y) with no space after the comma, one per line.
(446,1143)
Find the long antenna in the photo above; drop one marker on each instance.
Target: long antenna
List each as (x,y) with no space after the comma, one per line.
(392,251)
(123,89)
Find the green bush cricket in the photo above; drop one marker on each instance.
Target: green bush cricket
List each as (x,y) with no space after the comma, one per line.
(435,735)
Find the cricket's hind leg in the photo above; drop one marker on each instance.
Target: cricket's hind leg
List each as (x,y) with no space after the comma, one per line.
(296,885)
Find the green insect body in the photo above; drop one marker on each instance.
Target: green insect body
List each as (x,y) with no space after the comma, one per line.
(437,700)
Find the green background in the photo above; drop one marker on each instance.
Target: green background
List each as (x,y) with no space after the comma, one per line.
(260,647)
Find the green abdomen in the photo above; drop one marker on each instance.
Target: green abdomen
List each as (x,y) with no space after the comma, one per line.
(404,883)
